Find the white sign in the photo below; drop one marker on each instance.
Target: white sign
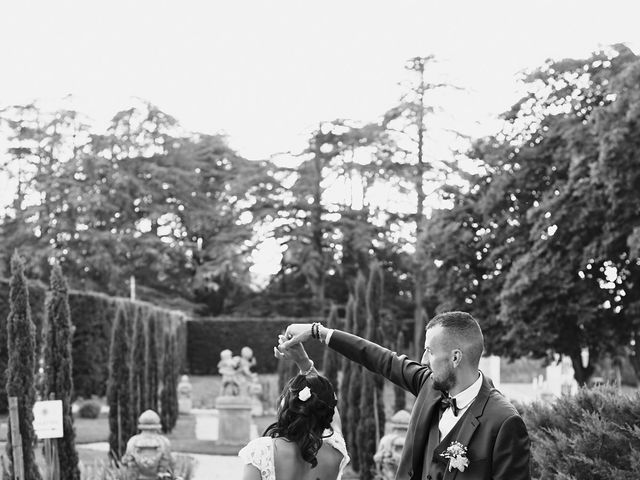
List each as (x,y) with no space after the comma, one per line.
(47,419)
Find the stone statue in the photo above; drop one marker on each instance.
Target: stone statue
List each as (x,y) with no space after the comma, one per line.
(246,361)
(250,385)
(184,395)
(387,457)
(148,454)
(228,368)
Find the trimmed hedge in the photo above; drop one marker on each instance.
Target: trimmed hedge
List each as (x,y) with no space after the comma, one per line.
(207,337)
(92,316)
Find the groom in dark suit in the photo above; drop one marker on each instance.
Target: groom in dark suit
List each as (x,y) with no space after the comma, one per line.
(461,427)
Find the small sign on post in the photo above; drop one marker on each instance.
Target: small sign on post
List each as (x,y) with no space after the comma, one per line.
(47,423)
(47,419)
(16,439)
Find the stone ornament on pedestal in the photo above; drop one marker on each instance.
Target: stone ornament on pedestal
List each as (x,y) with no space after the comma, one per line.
(184,395)
(148,454)
(387,457)
(235,402)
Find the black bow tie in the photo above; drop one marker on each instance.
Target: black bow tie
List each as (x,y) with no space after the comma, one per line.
(447,401)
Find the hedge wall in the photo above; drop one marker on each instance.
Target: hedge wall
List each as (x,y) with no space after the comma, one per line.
(207,337)
(92,315)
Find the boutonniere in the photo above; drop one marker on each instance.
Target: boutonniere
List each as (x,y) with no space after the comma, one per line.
(457,455)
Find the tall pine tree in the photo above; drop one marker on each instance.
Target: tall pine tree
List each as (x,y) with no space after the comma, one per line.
(151,355)
(21,368)
(169,393)
(355,381)
(399,394)
(58,379)
(138,375)
(121,427)
(347,369)
(371,427)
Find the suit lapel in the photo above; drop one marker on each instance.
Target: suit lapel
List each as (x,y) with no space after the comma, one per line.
(470,422)
(423,424)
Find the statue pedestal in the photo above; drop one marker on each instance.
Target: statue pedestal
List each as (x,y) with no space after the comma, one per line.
(234,420)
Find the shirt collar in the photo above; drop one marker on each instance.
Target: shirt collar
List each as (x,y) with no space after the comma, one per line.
(468,395)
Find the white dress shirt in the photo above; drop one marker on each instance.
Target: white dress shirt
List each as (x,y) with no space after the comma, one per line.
(463,401)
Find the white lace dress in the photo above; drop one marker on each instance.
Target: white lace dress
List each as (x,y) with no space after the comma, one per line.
(260,454)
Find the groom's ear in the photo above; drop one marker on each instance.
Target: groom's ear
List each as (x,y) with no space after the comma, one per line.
(456,357)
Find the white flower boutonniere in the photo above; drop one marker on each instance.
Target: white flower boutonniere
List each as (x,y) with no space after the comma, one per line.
(457,455)
(304,394)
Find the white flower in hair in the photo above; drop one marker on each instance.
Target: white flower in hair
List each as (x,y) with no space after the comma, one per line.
(304,394)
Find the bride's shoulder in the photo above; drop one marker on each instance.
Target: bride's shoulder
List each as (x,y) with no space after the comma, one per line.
(336,440)
(257,450)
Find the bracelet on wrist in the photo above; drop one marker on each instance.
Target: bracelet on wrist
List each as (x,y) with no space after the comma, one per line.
(315,330)
(307,371)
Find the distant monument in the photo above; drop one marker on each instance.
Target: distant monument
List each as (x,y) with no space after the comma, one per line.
(148,454)
(387,457)
(235,402)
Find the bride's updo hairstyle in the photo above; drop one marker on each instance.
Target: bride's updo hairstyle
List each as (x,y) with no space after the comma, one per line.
(307,405)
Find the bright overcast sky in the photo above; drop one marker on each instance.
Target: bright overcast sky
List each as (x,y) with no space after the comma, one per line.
(265,72)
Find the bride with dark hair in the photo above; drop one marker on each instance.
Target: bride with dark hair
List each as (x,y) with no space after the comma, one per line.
(305,442)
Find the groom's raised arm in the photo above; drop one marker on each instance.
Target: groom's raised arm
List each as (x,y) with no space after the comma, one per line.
(405,373)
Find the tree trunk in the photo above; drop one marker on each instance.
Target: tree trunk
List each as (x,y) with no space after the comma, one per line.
(418,266)
(582,374)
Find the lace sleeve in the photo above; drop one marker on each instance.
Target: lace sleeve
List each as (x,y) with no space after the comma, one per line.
(259,453)
(337,441)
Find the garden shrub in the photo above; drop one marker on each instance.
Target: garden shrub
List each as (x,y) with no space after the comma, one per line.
(89,409)
(593,435)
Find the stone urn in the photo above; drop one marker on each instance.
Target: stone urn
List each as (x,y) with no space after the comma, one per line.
(148,454)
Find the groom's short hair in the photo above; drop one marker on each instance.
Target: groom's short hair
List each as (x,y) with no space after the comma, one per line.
(464,329)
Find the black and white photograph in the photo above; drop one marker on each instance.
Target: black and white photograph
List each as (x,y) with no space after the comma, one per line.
(338,240)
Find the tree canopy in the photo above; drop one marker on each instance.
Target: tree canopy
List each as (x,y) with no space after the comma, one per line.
(540,244)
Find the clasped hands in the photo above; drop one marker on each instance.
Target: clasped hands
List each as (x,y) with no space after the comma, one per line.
(290,345)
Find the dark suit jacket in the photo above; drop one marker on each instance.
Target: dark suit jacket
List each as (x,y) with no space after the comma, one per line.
(494,433)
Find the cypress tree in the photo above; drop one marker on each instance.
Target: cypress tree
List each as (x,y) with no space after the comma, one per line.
(121,426)
(151,355)
(372,419)
(355,381)
(347,368)
(20,368)
(137,379)
(331,362)
(4,358)
(169,393)
(400,396)
(58,379)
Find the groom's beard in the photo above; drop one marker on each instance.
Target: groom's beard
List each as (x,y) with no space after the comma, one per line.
(446,381)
